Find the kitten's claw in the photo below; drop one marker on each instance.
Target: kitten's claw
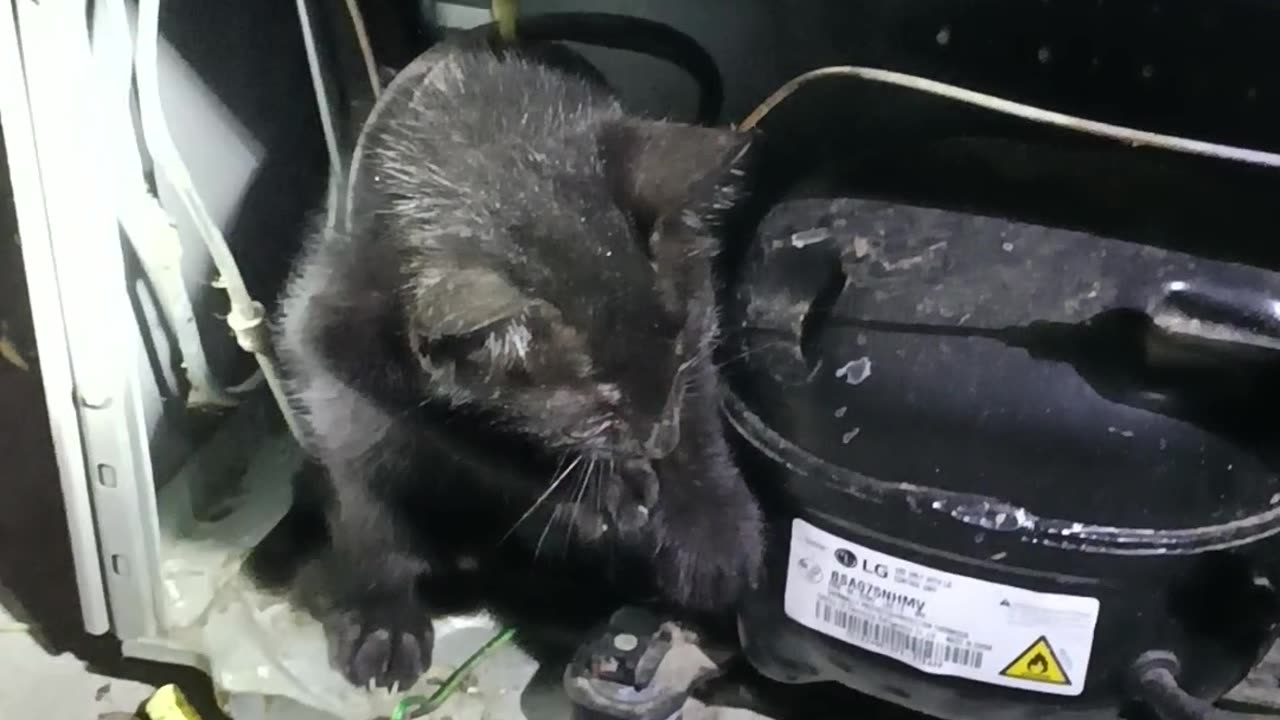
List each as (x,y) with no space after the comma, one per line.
(388,644)
(631,518)
(631,495)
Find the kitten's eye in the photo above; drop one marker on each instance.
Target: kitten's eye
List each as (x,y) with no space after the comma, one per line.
(643,227)
(519,374)
(452,346)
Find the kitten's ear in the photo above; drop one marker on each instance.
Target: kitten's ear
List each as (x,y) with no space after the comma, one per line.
(472,316)
(657,168)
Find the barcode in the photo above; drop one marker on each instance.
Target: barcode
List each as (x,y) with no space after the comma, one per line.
(922,649)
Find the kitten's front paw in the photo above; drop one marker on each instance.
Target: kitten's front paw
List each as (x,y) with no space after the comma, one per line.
(630,495)
(388,643)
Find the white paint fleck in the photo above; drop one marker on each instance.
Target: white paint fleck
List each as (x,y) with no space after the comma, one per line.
(805,238)
(861,246)
(840,411)
(1007,247)
(1275,499)
(849,436)
(1000,556)
(1023,518)
(855,372)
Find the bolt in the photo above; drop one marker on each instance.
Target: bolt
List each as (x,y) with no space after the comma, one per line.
(626,642)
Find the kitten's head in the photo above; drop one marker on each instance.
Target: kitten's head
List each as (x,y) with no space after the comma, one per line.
(585,330)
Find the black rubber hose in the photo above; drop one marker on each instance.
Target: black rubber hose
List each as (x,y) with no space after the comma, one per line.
(1161,692)
(623,32)
(1155,682)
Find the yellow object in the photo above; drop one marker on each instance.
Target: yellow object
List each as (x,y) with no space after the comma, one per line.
(1038,663)
(505,13)
(9,351)
(168,703)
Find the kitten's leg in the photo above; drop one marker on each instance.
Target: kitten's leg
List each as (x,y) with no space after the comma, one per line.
(707,524)
(298,537)
(378,628)
(710,550)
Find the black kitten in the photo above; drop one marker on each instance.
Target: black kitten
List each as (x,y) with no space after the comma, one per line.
(514,332)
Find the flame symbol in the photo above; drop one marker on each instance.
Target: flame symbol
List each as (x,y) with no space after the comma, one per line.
(1038,664)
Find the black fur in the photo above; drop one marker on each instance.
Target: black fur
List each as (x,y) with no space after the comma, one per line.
(511,340)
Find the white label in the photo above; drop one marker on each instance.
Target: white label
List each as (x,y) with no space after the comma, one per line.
(939,622)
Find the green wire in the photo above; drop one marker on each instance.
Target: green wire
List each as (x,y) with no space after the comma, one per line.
(505,13)
(417,705)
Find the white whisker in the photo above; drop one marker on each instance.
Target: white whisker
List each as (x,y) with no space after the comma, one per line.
(760,348)
(560,475)
(577,503)
(538,548)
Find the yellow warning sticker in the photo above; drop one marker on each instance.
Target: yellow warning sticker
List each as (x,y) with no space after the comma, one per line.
(1038,663)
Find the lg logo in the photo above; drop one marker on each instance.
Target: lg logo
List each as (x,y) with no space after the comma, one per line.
(845,557)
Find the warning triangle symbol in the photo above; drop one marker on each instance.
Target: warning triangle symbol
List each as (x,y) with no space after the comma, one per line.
(1038,663)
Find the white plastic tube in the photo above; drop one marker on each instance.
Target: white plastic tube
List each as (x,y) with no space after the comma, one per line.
(1119,133)
(247,317)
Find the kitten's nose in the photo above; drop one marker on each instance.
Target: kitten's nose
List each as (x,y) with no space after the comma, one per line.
(663,440)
